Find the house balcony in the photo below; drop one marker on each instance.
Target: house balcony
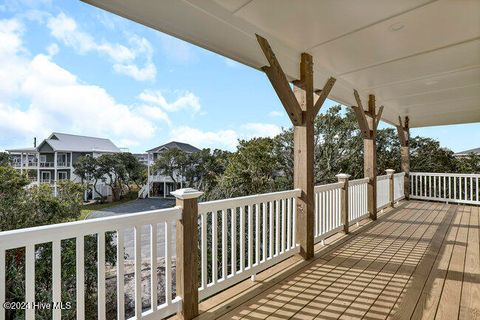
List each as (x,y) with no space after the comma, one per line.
(419,259)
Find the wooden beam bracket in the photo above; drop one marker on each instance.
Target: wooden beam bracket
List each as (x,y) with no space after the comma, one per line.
(322,96)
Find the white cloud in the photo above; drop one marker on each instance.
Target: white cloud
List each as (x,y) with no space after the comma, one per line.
(185,100)
(261,130)
(223,139)
(54,99)
(53,49)
(125,59)
(276,114)
(175,49)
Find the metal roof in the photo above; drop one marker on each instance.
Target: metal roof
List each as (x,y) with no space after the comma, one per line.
(421,58)
(75,143)
(467,152)
(178,145)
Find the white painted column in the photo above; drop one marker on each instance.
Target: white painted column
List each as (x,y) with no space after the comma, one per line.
(148,174)
(38,168)
(55,173)
(164,188)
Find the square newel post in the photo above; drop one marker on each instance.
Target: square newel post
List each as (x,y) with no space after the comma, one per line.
(342,177)
(391,187)
(187,252)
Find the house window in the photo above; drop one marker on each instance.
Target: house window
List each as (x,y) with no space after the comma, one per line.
(62,176)
(43,158)
(45,176)
(62,160)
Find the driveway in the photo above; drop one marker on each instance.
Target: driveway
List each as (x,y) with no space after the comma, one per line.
(135,206)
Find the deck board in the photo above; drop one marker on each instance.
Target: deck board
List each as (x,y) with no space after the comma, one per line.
(418,261)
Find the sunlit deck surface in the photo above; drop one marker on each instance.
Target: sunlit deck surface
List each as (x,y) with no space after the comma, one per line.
(417,261)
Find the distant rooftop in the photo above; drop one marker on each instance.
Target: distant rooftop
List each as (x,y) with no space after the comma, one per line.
(467,152)
(74,143)
(178,145)
(70,142)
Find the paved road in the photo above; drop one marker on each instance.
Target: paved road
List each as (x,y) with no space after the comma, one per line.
(140,205)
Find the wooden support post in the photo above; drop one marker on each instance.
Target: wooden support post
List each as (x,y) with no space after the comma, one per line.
(403,131)
(187,252)
(302,110)
(391,187)
(344,200)
(368,122)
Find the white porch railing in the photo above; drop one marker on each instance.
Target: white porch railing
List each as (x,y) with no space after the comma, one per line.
(327,210)
(398,186)
(240,237)
(383,191)
(54,234)
(448,187)
(357,200)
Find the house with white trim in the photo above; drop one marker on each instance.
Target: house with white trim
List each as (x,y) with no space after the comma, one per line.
(159,185)
(54,158)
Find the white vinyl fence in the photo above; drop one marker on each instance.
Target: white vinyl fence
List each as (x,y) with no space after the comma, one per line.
(327,210)
(28,242)
(383,191)
(357,200)
(240,237)
(448,187)
(399,186)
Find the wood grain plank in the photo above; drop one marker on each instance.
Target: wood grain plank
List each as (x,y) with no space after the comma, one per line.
(470,301)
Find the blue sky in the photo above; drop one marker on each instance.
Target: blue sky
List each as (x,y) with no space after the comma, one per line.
(68,67)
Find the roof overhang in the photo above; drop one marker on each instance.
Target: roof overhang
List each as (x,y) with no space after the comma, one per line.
(420,58)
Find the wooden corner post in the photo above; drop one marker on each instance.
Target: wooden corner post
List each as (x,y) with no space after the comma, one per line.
(391,187)
(368,121)
(187,252)
(302,110)
(403,131)
(342,177)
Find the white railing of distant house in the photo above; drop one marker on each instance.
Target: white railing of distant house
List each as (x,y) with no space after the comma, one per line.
(238,238)
(447,187)
(250,234)
(132,224)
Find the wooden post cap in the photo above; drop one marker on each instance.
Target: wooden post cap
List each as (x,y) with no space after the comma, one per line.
(186,193)
(343,176)
(390,172)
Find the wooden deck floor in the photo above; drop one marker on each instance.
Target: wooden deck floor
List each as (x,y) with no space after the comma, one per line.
(419,261)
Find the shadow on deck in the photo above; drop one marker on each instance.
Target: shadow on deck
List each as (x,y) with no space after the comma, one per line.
(419,260)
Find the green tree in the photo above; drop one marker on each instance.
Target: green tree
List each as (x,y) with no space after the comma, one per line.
(86,167)
(173,163)
(426,155)
(4,159)
(469,164)
(251,169)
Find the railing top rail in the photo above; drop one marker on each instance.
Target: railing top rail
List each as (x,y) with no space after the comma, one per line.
(22,237)
(326,187)
(358,181)
(445,174)
(382,177)
(247,200)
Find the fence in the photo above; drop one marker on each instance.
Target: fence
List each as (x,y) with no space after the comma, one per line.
(237,238)
(357,197)
(383,189)
(29,241)
(448,187)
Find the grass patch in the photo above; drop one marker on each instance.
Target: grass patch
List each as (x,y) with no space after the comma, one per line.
(89,208)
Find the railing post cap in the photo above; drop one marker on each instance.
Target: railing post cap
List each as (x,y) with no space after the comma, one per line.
(389,171)
(186,193)
(343,176)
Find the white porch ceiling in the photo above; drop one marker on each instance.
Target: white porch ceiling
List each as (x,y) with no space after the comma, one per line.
(428,70)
